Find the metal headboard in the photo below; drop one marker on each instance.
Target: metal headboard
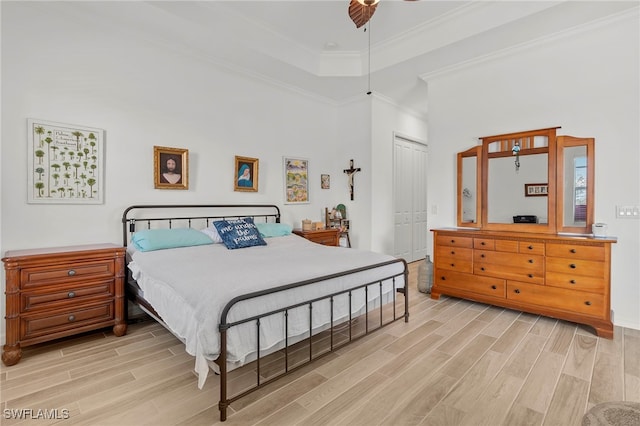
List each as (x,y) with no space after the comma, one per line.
(190,215)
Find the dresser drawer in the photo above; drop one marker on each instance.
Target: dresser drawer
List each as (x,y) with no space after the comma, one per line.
(558,298)
(576,267)
(470,283)
(531,247)
(571,251)
(484,243)
(454,258)
(575,282)
(60,296)
(50,323)
(515,266)
(54,274)
(454,241)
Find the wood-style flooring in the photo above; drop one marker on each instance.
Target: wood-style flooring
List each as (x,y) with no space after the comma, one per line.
(454,363)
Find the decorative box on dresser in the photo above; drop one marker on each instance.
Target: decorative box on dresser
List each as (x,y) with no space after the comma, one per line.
(565,277)
(327,237)
(62,291)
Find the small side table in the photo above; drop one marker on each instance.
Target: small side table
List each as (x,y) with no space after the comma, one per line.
(327,237)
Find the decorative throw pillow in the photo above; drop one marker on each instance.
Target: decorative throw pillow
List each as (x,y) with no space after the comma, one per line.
(159,239)
(212,233)
(268,230)
(239,233)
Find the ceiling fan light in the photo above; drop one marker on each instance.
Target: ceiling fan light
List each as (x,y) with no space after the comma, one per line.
(368,2)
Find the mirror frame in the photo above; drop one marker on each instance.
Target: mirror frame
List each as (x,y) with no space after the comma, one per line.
(568,142)
(476,151)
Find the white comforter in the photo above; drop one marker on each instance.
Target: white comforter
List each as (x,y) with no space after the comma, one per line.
(190,286)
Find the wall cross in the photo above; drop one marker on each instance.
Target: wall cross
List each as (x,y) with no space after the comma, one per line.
(351,171)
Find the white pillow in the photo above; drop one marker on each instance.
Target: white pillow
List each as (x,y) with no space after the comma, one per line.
(212,232)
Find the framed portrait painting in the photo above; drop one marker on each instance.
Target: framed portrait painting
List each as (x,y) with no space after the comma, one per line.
(65,163)
(170,168)
(325,181)
(246,176)
(296,180)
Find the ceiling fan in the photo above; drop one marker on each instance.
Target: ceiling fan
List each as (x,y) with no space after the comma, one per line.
(360,11)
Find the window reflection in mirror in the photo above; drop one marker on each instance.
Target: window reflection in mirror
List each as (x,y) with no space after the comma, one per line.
(575,186)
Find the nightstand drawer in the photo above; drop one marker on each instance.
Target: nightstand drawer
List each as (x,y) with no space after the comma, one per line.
(54,274)
(66,295)
(50,323)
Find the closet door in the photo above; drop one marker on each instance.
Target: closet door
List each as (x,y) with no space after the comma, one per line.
(410,199)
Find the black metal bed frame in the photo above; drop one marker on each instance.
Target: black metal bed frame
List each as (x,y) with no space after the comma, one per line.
(129,227)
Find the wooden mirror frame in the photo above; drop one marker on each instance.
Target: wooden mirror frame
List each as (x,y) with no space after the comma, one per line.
(568,142)
(476,152)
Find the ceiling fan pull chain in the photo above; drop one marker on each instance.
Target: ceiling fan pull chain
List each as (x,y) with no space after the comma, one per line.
(369,60)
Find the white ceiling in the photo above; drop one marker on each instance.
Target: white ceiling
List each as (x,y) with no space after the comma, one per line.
(313,47)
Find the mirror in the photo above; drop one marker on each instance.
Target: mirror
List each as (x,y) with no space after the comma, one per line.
(575,184)
(528,181)
(469,188)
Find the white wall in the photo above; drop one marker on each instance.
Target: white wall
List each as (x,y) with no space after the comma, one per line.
(587,83)
(59,68)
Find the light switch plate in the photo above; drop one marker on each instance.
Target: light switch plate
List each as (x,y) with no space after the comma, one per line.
(628,212)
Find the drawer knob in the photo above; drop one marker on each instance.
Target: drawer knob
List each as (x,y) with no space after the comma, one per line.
(572,266)
(482,268)
(572,250)
(482,256)
(453,241)
(530,275)
(443,278)
(71,294)
(453,252)
(453,265)
(482,243)
(71,318)
(493,287)
(71,272)
(517,291)
(572,281)
(530,260)
(588,303)
(530,247)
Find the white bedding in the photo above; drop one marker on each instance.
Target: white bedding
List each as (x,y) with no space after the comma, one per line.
(188,287)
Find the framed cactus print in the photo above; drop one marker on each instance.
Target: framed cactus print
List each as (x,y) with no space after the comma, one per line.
(65,163)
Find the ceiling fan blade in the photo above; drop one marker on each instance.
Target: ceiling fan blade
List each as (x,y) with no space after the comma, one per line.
(359,13)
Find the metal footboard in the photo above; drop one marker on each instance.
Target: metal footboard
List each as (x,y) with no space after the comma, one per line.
(225,325)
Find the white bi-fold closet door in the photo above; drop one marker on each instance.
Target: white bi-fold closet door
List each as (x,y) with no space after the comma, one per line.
(410,198)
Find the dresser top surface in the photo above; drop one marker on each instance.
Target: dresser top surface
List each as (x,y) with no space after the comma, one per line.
(478,233)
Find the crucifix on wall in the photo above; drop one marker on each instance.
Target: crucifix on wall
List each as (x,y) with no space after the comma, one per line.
(351,171)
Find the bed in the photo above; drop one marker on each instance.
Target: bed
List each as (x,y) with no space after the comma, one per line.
(274,303)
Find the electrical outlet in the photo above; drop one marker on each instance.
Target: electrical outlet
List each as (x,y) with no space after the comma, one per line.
(628,212)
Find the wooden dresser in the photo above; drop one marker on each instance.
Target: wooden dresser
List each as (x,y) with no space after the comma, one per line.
(61,291)
(563,277)
(327,237)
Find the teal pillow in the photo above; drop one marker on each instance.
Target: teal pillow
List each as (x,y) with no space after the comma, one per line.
(159,239)
(268,230)
(239,233)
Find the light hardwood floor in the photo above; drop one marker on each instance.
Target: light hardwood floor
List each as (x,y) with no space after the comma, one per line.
(454,363)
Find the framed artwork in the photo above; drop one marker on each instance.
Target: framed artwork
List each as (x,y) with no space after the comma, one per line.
(536,189)
(325,181)
(170,168)
(296,180)
(65,163)
(246,177)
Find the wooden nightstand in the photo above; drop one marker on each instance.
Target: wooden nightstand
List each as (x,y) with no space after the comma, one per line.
(62,291)
(327,237)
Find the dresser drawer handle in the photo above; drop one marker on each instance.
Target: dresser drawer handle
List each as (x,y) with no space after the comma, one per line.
(71,294)
(493,287)
(453,265)
(572,266)
(482,256)
(453,241)
(530,260)
(482,243)
(588,303)
(517,291)
(453,252)
(530,247)
(572,281)
(572,250)
(71,318)
(71,272)
(482,268)
(530,275)
(443,278)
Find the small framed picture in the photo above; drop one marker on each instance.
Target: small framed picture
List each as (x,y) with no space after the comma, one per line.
(170,168)
(246,177)
(325,181)
(536,189)
(296,180)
